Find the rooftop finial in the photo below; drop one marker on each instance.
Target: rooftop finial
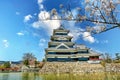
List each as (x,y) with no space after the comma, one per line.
(61,27)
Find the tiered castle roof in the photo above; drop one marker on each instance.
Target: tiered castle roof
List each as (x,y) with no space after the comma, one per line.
(61,47)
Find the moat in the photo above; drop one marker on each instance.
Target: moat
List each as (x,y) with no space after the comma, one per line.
(37,76)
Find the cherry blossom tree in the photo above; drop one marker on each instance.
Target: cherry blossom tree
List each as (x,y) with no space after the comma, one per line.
(104,14)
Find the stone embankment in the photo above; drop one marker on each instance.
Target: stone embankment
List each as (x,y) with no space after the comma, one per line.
(71,67)
(112,67)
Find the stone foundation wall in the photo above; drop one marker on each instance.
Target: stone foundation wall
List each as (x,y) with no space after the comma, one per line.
(71,67)
(112,67)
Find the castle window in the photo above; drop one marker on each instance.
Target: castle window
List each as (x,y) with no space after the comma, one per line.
(60,33)
(51,52)
(62,47)
(52,46)
(83,51)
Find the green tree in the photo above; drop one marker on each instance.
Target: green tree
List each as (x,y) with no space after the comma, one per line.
(117,56)
(7,65)
(43,60)
(27,57)
(108,58)
(26,62)
(36,63)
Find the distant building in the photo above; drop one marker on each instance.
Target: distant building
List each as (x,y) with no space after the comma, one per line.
(62,49)
(14,66)
(2,62)
(16,63)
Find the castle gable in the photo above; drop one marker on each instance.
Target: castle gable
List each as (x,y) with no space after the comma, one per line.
(62,46)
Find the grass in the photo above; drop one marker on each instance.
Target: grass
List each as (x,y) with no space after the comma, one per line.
(91,76)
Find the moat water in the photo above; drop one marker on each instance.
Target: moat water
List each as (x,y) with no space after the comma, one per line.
(37,76)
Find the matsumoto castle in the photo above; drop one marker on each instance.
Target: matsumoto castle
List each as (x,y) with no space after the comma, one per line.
(62,49)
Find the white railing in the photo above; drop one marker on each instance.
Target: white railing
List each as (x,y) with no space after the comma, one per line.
(94,61)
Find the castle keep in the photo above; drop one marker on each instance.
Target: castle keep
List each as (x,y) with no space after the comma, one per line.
(62,49)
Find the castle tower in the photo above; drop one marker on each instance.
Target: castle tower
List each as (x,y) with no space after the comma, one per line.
(62,49)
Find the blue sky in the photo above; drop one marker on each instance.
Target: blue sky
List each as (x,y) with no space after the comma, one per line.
(21,30)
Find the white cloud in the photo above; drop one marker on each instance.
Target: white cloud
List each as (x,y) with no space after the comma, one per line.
(5,43)
(35,14)
(44,15)
(40,4)
(78,32)
(75,33)
(40,1)
(17,13)
(87,37)
(36,24)
(104,41)
(27,18)
(97,41)
(97,50)
(36,34)
(49,25)
(74,12)
(42,42)
(20,34)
